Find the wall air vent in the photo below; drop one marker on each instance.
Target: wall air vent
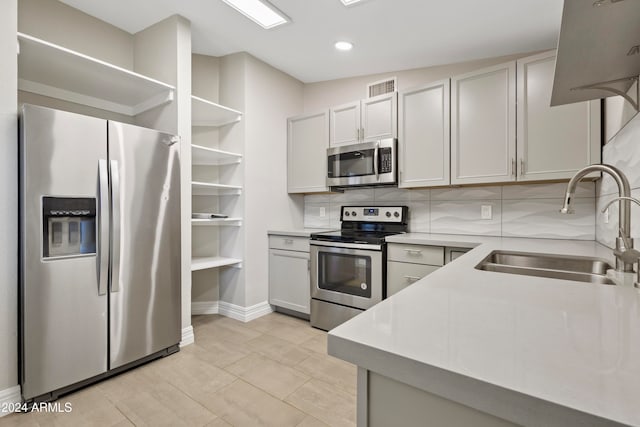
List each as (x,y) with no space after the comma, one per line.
(381,87)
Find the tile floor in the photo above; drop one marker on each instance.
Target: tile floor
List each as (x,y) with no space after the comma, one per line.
(273,371)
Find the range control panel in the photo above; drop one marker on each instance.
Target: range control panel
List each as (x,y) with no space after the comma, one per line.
(374,214)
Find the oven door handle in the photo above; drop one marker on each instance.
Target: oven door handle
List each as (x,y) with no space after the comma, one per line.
(375,160)
(346,245)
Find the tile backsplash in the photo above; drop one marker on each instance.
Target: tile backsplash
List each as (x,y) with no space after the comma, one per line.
(623,152)
(516,210)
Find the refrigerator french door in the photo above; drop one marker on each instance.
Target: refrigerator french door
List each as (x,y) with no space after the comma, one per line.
(100,248)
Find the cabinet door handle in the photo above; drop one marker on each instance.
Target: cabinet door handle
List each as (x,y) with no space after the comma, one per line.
(308,265)
(413,278)
(521,167)
(513,166)
(288,241)
(362,136)
(413,251)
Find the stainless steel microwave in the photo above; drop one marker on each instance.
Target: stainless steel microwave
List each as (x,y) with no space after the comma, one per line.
(366,163)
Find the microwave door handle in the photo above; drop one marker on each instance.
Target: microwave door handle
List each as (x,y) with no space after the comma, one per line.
(375,160)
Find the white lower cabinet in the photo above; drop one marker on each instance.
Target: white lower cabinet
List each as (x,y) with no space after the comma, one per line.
(289,273)
(408,263)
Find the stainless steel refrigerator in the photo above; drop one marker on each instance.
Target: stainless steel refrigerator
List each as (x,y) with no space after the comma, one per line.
(99,249)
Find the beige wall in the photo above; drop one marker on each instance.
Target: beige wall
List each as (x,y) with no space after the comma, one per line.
(272,97)
(318,96)
(65,26)
(9,198)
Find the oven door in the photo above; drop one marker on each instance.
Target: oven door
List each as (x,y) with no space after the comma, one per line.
(366,163)
(347,274)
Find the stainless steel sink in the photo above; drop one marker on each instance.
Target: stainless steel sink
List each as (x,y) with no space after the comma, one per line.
(581,269)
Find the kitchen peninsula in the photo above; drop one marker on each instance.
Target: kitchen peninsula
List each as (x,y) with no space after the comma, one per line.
(464,346)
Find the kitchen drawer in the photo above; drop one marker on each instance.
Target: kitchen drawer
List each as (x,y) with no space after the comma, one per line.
(432,255)
(289,243)
(402,274)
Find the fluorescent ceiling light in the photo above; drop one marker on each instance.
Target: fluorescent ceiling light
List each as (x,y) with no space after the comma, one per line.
(350,2)
(342,45)
(261,12)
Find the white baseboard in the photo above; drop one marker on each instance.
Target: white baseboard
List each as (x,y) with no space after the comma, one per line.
(187,336)
(237,312)
(244,314)
(9,396)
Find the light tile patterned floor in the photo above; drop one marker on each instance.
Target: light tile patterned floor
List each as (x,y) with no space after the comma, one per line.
(273,371)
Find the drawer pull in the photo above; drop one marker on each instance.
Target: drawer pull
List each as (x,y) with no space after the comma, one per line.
(413,251)
(412,278)
(288,241)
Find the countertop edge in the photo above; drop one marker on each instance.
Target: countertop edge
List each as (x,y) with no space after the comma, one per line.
(475,393)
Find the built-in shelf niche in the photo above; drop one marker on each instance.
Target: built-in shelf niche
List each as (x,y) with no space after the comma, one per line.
(204,156)
(208,113)
(50,70)
(203,263)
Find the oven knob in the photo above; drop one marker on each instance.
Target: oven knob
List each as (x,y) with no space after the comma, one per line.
(388,214)
(353,213)
(396,214)
(346,213)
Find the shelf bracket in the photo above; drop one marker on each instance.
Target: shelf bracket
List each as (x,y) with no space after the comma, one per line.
(609,86)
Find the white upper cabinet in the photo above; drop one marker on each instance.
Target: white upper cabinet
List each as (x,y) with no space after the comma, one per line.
(424,136)
(553,142)
(345,124)
(369,119)
(483,131)
(307,143)
(379,117)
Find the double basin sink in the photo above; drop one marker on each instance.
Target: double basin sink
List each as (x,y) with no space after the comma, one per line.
(581,269)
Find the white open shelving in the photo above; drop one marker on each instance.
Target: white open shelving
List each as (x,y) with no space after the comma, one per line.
(217,221)
(48,69)
(208,113)
(203,263)
(210,156)
(210,189)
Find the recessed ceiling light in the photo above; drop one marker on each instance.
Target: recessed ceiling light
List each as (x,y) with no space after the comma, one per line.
(261,12)
(350,2)
(342,45)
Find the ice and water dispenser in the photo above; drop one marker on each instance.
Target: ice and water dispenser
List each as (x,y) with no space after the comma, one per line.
(68,226)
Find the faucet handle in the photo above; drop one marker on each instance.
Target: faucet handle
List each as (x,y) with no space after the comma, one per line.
(628,256)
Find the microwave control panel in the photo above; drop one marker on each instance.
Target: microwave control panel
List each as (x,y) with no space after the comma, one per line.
(386,160)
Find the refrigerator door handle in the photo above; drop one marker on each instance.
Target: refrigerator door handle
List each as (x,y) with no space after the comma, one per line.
(115,227)
(103,221)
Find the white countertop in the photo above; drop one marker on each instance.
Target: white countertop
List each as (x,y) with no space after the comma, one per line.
(296,232)
(534,351)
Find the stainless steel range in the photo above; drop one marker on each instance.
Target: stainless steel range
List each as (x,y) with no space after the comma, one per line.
(348,267)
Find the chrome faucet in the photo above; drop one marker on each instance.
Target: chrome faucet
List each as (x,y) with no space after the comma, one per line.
(624,243)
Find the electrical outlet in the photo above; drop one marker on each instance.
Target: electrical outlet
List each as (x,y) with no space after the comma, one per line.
(606,216)
(485,212)
(323,211)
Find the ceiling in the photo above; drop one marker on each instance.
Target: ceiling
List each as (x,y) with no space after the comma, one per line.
(387,34)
